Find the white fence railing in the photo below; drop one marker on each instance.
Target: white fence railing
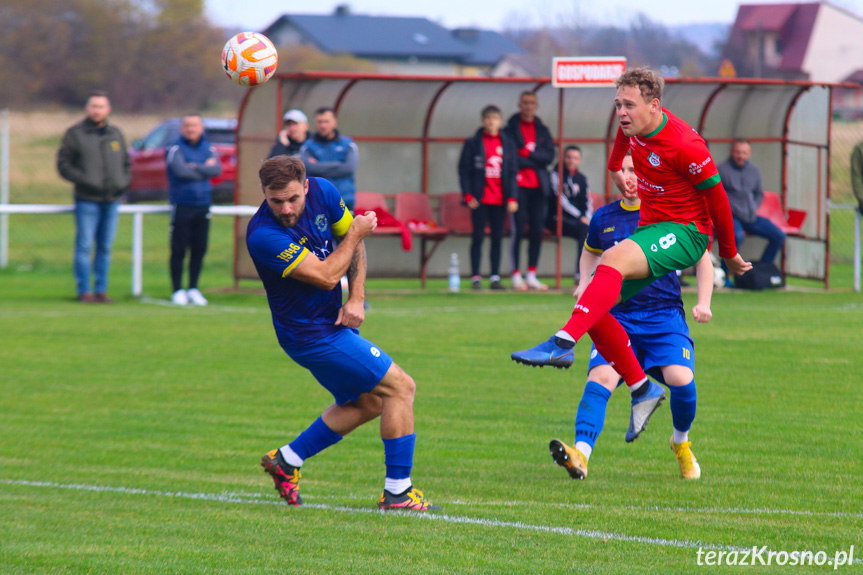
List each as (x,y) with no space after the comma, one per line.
(857,225)
(137,212)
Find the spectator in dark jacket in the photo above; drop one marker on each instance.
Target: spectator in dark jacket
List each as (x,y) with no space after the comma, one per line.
(487,171)
(330,155)
(93,156)
(191,162)
(292,137)
(535,153)
(576,206)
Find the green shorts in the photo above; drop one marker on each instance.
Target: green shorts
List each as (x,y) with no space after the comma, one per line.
(668,246)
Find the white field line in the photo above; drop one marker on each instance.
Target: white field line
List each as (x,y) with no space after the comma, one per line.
(257,499)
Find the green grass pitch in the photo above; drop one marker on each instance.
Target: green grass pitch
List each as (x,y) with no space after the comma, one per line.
(131,435)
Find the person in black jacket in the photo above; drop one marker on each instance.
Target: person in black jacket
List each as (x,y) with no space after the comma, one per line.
(535,153)
(576,207)
(486,172)
(93,156)
(292,137)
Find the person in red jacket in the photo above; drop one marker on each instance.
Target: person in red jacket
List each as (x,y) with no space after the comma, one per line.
(681,194)
(486,172)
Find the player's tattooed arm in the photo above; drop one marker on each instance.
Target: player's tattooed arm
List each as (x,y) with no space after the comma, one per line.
(357,269)
(352,314)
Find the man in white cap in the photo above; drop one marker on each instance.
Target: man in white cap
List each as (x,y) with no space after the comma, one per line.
(292,137)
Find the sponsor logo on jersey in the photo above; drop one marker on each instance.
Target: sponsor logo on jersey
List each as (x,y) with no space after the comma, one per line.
(653,159)
(696,168)
(608,229)
(321,222)
(375,351)
(649,186)
(289,253)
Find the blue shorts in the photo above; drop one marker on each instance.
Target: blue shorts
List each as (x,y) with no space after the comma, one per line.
(345,363)
(658,338)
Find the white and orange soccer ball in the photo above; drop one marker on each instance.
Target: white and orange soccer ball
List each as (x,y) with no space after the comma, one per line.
(249,58)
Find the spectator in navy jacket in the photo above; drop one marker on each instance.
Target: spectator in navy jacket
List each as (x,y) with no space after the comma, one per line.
(576,207)
(486,172)
(191,162)
(330,155)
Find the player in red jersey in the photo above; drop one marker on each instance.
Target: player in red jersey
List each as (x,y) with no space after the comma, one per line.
(680,194)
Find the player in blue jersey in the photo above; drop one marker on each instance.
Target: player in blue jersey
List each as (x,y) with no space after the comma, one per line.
(292,240)
(656,324)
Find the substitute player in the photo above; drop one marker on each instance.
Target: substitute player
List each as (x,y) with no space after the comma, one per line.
(680,193)
(291,240)
(656,323)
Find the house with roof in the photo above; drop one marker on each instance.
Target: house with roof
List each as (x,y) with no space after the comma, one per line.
(816,41)
(395,45)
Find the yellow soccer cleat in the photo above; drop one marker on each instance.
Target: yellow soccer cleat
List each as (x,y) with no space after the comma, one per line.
(569,458)
(689,467)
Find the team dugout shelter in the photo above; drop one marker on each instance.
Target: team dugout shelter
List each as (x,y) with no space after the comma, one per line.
(410,131)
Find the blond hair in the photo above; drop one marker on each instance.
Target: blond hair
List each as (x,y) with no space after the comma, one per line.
(648,82)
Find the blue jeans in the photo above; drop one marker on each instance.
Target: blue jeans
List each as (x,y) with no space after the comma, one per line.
(94,221)
(764,228)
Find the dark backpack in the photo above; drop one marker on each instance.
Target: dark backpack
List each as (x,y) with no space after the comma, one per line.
(763,275)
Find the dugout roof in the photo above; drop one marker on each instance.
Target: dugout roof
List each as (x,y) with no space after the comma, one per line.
(410,130)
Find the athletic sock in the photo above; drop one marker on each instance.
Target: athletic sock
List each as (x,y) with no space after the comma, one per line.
(590,417)
(599,297)
(399,459)
(564,336)
(397,486)
(313,440)
(494,278)
(683,402)
(289,457)
(612,342)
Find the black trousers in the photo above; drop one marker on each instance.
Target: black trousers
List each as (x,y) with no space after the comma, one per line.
(190,230)
(494,216)
(532,206)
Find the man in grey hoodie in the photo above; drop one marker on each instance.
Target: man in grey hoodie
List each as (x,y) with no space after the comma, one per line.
(742,182)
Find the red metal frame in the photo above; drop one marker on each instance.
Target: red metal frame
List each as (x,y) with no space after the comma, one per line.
(561,140)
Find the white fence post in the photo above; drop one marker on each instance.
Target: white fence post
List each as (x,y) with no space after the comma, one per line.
(857,217)
(137,253)
(4,189)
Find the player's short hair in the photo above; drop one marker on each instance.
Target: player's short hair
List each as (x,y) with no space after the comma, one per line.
(526,93)
(192,115)
(279,171)
(490,109)
(324,110)
(97,94)
(648,82)
(572,148)
(736,141)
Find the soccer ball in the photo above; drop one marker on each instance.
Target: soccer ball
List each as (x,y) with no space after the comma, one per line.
(249,58)
(718,277)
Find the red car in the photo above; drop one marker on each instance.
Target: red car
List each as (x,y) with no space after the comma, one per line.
(149,178)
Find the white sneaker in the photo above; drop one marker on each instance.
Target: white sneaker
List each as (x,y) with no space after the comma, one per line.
(196,297)
(518,282)
(180,297)
(534,283)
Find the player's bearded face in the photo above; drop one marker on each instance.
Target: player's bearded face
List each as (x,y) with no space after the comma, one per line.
(288,203)
(633,113)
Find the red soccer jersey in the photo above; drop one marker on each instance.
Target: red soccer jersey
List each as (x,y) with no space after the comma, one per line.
(672,164)
(492,194)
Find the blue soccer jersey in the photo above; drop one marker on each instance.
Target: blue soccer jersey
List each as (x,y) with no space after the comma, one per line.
(302,313)
(612,224)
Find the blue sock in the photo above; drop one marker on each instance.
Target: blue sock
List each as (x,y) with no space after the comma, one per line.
(314,439)
(399,456)
(683,400)
(591,413)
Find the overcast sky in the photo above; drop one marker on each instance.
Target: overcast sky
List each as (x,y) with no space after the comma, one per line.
(492,14)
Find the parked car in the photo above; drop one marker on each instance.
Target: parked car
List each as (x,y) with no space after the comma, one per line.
(149,180)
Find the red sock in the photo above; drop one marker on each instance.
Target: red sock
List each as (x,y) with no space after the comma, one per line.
(599,297)
(612,342)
